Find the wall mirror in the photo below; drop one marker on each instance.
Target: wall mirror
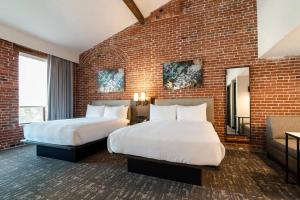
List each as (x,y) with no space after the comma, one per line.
(238,101)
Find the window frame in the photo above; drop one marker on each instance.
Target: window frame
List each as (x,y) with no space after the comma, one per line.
(39,58)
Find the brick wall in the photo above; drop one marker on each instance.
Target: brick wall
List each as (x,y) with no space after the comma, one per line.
(275,90)
(10,132)
(222,33)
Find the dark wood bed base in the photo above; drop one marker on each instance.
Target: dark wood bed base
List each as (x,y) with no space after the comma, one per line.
(69,153)
(191,174)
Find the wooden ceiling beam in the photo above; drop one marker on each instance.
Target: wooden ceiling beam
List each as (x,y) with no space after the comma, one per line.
(135,10)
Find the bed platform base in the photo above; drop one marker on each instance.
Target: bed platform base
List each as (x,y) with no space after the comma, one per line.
(70,153)
(167,170)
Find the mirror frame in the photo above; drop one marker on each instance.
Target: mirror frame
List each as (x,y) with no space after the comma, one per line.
(237,137)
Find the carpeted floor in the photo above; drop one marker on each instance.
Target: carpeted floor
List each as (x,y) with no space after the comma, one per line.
(242,175)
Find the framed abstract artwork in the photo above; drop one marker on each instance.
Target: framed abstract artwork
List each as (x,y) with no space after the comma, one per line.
(110,80)
(183,74)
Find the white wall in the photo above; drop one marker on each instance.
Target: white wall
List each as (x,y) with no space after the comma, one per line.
(243,96)
(23,39)
(232,73)
(275,20)
(288,46)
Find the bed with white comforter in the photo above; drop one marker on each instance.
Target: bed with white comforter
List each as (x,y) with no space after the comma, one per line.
(72,132)
(186,142)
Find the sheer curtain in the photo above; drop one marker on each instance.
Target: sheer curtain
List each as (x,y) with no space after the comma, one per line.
(60,88)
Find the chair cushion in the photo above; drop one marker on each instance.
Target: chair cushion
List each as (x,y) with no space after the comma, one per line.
(278,125)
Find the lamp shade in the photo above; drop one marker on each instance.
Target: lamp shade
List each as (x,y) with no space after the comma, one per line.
(136,96)
(143,96)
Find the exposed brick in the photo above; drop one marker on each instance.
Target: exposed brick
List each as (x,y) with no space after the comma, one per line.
(10,132)
(222,33)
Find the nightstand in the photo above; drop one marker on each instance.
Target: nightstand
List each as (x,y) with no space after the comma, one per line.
(139,119)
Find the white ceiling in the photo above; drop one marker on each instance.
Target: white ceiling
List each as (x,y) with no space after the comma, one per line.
(76,25)
(278,28)
(288,46)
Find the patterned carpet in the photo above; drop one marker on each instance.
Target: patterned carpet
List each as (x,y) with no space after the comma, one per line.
(242,175)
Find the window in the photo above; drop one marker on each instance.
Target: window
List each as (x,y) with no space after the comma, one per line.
(32,88)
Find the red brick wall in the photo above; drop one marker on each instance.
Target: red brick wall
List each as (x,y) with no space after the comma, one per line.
(223,33)
(275,90)
(10,132)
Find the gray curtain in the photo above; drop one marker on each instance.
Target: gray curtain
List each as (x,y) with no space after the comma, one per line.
(60,88)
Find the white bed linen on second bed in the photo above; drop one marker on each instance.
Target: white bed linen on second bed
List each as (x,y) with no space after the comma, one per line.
(194,143)
(72,132)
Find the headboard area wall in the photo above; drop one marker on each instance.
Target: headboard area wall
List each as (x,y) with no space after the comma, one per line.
(182,33)
(114,103)
(191,102)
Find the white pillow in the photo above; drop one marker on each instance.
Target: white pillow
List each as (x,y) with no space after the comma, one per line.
(162,113)
(192,113)
(116,112)
(125,112)
(94,111)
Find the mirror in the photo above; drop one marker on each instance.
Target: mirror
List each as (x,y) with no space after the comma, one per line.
(238,101)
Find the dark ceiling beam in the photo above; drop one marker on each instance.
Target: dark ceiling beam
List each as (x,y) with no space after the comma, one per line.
(135,10)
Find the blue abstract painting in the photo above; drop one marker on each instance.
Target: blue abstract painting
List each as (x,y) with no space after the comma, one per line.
(183,74)
(111,80)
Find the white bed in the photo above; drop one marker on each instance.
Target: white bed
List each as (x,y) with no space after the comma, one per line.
(72,132)
(75,139)
(193,143)
(175,144)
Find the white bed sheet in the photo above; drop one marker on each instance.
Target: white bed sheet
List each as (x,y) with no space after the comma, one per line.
(72,132)
(194,143)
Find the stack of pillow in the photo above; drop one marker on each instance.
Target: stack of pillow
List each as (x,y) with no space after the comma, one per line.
(112,112)
(179,113)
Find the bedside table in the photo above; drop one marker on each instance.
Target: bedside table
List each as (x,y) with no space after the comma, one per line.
(139,119)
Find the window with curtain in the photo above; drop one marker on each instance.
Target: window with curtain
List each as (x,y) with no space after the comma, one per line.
(32,88)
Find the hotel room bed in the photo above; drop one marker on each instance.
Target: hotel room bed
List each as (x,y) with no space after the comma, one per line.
(193,143)
(72,132)
(173,149)
(74,139)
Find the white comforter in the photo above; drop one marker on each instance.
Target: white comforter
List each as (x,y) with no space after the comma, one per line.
(72,132)
(194,143)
